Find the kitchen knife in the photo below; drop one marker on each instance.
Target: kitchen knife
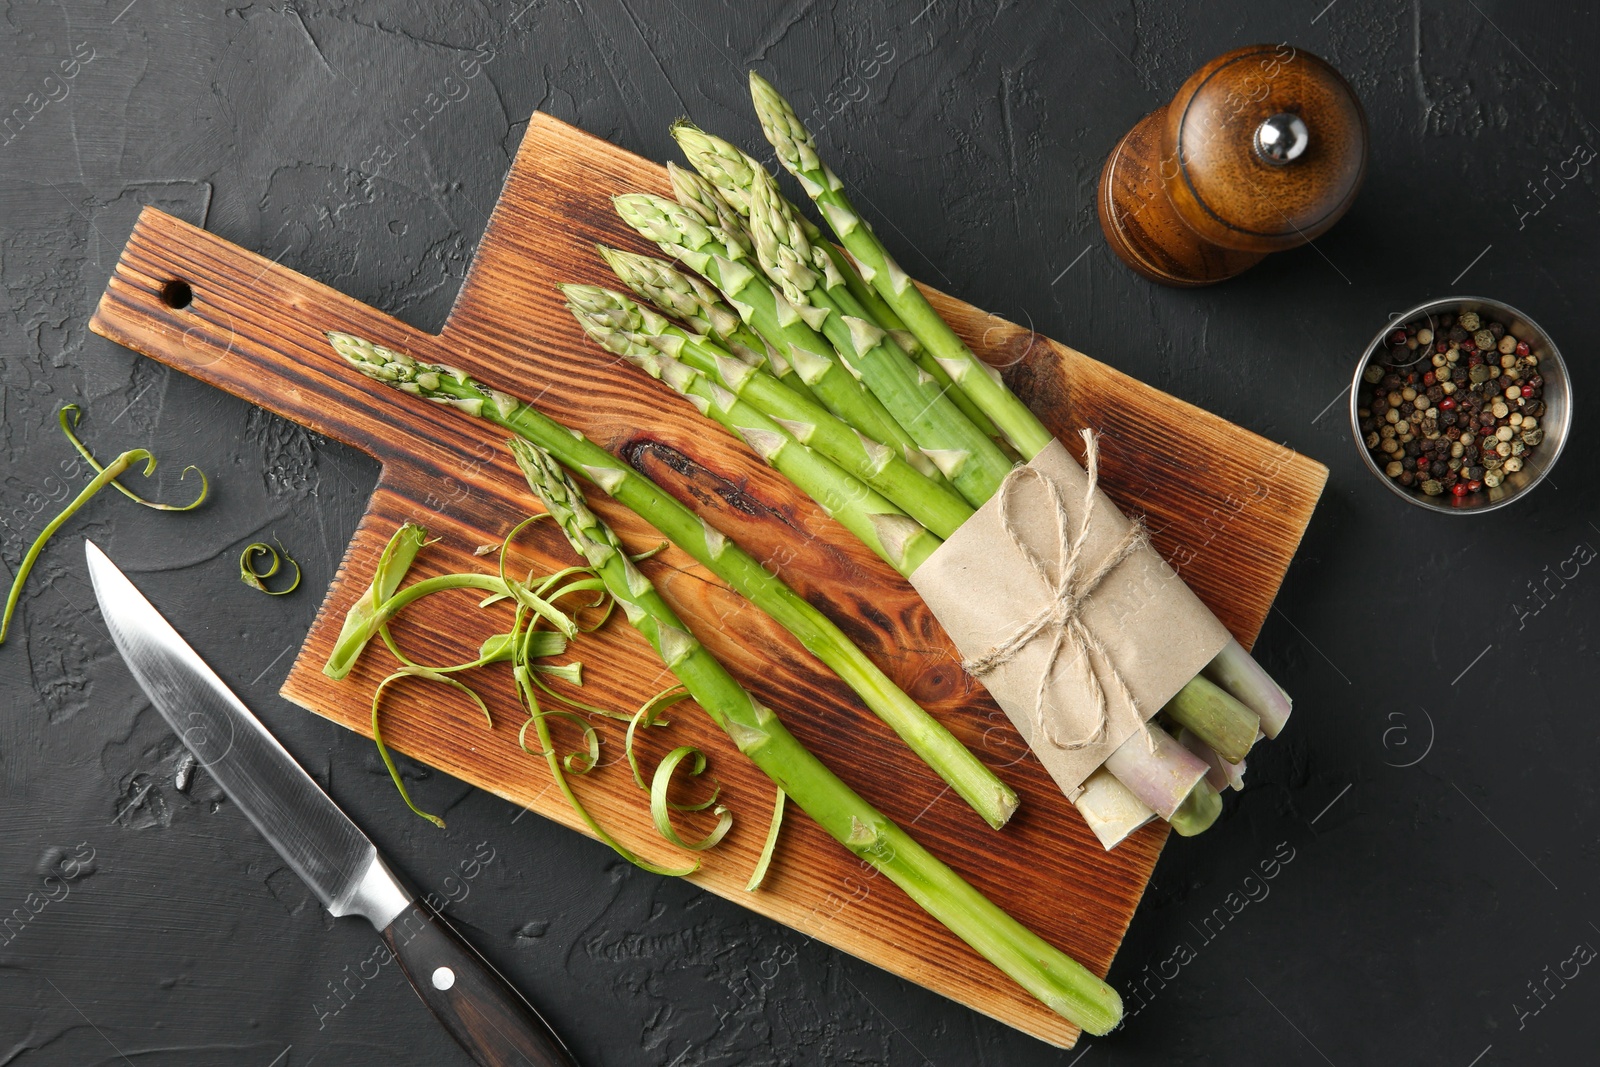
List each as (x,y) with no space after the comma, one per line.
(466,994)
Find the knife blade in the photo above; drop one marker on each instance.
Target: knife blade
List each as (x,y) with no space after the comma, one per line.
(339,863)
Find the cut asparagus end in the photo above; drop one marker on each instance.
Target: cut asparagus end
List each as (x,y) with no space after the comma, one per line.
(1236,671)
(906,542)
(1222,775)
(1223,723)
(1110,809)
(1160,772)
(1198,810)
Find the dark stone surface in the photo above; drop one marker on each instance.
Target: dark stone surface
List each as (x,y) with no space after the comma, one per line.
(1435,790)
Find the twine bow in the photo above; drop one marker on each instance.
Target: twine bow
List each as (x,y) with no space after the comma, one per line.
(1071,585)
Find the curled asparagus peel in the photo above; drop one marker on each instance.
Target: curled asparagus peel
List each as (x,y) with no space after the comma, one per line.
(797,151)
(104,476)
(1057,980)
(972,781)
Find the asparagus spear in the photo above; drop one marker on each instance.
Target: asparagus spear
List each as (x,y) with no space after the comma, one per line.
(1160,773)
(1215,717)
(971,460)
(1236,671)
(952,761)
(797,151)
(899,540)
(695,302)
(1058,981)
(1157,770)
(605,315)
(684,236)
(732,172)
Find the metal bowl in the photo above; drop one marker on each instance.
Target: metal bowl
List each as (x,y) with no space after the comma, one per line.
(1555,421)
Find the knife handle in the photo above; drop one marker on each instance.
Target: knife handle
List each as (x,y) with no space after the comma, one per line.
(485,1015)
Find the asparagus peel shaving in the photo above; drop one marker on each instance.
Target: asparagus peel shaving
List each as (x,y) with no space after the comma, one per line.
(254,574)
(70,415)
(1054,978)
(106,476)
(992,799)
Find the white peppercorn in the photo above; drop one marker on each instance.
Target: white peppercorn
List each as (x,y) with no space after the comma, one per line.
(1514,464)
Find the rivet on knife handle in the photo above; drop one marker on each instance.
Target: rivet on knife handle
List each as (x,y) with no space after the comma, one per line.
(466,994)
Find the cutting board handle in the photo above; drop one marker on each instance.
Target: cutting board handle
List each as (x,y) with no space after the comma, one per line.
(255,329)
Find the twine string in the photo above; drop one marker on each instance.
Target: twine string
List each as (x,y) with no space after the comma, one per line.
(1071,581)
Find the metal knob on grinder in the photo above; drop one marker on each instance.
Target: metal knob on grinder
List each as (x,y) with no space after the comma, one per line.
(1261,150)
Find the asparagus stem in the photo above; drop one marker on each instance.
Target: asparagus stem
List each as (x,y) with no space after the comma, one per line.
(1236,670)
(732,172)
(684,236)
(686,297)
(899,540)
(1198,810)
(971,460)
(797,151)
(1215,717)
(952,761)
(616,323)
(1057,980)
(1110,808)
(1222,775)
(1161,775)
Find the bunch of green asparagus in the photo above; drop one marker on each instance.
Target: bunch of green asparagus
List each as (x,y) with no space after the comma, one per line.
(836,370)
(833,368)
(1058,981)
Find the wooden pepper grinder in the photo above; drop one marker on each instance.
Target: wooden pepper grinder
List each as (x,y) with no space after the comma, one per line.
(1262,149)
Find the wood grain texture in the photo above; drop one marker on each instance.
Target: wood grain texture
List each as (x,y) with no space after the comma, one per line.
(1227,507)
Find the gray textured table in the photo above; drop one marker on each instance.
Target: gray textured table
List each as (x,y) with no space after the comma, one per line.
(1426,820)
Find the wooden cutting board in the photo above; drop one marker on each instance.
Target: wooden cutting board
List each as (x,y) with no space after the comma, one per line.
(1224,505)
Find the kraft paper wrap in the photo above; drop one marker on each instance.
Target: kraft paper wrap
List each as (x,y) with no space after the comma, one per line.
(1154,633)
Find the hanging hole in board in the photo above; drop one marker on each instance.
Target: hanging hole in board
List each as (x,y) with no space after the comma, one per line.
(176,294)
